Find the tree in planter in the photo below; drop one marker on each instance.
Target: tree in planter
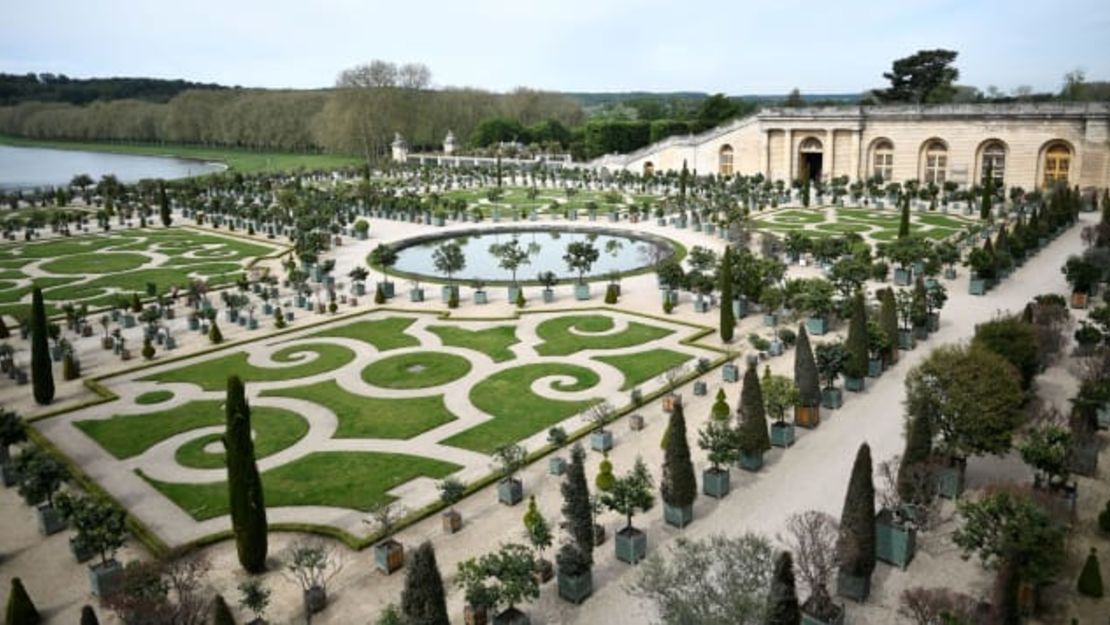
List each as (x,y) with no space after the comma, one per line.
(718,580)
(753,437)
(215,337)
(20,609)
(511,571)
(538,532)
(511,257)
(42,374)
(423,601)
(721,410)
(384,256)
(101,526)
(11,433)
(855,546)
(811,536)
(779,393)
(1090,578)
(509,458)
(40,476)
(983,262)
(728,317)
(1047,450)
(782,600)
(580,257)
(1014,340)
(830,359)
(805,371)
(630,493)
(888,320)
(855,366)
(721,442)
(578,520)
(254,596)
(678,486)
(248,507)
(449,259)
(312,563)
(451,492)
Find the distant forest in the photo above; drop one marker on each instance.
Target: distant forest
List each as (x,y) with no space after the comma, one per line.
(16,88)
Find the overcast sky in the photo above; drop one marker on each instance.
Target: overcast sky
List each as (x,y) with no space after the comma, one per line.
(735,46)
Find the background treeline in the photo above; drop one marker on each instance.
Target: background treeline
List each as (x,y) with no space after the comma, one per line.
(16,88)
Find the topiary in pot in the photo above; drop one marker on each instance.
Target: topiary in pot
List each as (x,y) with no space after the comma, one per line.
(1090,578)
(20,609)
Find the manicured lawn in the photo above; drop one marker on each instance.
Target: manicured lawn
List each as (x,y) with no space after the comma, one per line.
(384,334)
(517,411)
(493,342)
(643,366)
(274,430)
(211,375)
(372,417)
(126,436)
(559,340)
(153,397)
(103,262)
(416,370)
(344,479)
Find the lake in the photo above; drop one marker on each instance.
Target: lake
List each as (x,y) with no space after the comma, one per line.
(28,168)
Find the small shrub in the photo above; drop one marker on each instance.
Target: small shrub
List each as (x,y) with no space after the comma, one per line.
(214,335)
(611,294)
(148,349)
(453,301)
(788,337)
(1090,579)
(279,319)
(379,295)
(71,369)
(758,342)
(668,306)
(520,298)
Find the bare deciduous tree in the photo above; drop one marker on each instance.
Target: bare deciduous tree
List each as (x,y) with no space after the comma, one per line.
(937,606)
(811,536)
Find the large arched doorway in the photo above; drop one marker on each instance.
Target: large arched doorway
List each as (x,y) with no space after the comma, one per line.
(810,159)
(724,160)
(1056,165)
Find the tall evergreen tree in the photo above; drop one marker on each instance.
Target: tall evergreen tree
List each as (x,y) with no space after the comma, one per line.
(678,487)
(728,319)
(805,371)
(219,612)
(754,438)
(1090,578)
(164,205)
(919,448)
(578,519)
(248,508)
(888,321)
(423,601)
(904,222)
(782,601)
(88,617)
(42,373)
(856,364)
(20,610)
(855,546)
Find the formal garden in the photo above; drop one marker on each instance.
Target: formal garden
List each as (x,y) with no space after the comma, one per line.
(871,223)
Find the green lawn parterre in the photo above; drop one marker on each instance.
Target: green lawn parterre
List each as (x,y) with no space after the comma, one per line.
(559,340)
(493,342)
(416,370)
(874,223)
(639,367)
(211,375)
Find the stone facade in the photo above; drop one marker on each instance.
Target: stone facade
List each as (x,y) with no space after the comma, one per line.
(1027,145)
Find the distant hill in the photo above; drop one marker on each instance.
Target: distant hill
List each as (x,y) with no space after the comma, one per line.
(17,88)
(600,99)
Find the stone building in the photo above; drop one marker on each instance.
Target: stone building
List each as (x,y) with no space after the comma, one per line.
(1025,145)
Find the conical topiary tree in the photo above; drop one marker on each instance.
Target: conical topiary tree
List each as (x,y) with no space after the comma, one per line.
(423,601)
(805,371)
(856,364)
(214,335)
(904,222)
(21,610)
(42,373)
(919,449)
(721,411)
(1090,578)
(219,613)
(754,439)
(679,487)
(88,617)
(855,546)
(578,518)
(728,319)
(782,601)
(248,508)
(888,321)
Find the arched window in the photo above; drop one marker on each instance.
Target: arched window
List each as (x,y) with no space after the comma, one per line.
(724,160)
(649,169)
(936,163)
(994,162)
(882,160)
(811,145)
(1057,164)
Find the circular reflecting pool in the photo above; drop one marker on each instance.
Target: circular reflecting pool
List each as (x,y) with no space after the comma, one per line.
(543,248)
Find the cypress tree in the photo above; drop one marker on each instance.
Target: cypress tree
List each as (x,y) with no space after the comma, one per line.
(678,487)
(1090,578)
(578,519)
(728,319)
(721,411)
(88,617)
(888,321)
(856,364)
(248,509)
(805,371)
(42,374)
(214,335)
(855,546)
(904,222)
(782,602)
(21,610)
(220,614)
(423,601)
(919,448)
(164,205)
(754,438)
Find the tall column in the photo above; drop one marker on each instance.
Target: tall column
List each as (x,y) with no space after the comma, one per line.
(767,153)
(857,154)
(831,169)
(788,156)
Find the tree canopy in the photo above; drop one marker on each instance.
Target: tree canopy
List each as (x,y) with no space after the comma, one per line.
(926,76)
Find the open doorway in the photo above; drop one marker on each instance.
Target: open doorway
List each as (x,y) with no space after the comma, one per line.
(810,159)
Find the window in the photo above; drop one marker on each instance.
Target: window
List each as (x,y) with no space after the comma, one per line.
(994,161)
(1057,163)
(649,168)
(724,161)
(882,160)
(936,163)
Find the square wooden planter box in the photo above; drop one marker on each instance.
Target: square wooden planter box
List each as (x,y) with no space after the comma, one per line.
(630,545)
(730,373)
(782,434)
(671,400)
(807,416)
(601,440)
(715,482)
(817,326)
(576,588)
(636,422)
(452,521)
(548,296)
(751,462)
(678,516)
(976,286)
(853,587)
(701,389)
(874,367)
(510,491)
(906,341)
(832,398)
(770,319)
(854,384)
(389,556)
(950,479)
(511,616)
(582,292)
(901,277)
(894,543)
(50,521)
(556,465)
(416,295)
(105,577)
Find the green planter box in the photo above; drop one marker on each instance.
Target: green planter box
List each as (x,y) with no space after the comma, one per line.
(387,289)
(701,305)
(582,292)
(853,587)
(701,389)
(548,296)
(895,543)
(731,373)
(575,588)
(630,545)
(105,577)
(874,367)
(977,286)
(481,297)
(416,295)
(920,333)
(751,462)
(50,521)
(832,398)
(510,491)
(1103,415)
(446,292)
(715,482)
(512,294)
(770,319)
(740,307)
(389,556)
(678,516)
(853,384)
(950,479)
(906,341)
(817,325)
(901,277)
(950,273)
(557,465)
(601,440)
(782,434)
